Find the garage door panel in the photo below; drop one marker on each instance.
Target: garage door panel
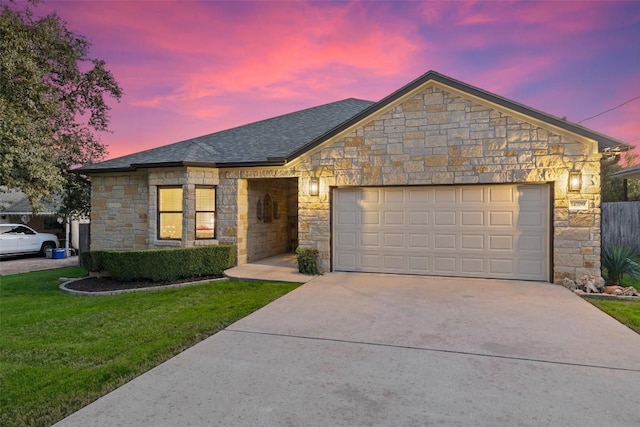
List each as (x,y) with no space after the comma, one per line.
(472,218)
(531,243)
(499,231)
(445,265)
(394,218)
(419,196)
(501,243)
(418,218)
(371,240)
(501,219)
(531,195)
(472,195)
(472,242)
(393,196)
(370,218)
(445,195)
(533,219)
(419,263)
(347,197)
(444,241)
(346,239)
(419,241)
(394,262)
(472,266)
(346,218)
(346,261)
(531,268)
(501,266)
(396,240)
(501,194)
(369,261)
(369,195)
(444,218)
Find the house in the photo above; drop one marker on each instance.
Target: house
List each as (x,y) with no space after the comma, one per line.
(632,172)
(438,178)
(16,208)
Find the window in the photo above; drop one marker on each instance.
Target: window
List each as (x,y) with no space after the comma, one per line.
(170,213)
(205,212)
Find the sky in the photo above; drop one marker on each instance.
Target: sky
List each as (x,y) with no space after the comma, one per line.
(190,68)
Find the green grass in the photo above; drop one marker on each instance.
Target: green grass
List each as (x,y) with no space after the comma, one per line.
(625,311)
(628,281)
(59,352)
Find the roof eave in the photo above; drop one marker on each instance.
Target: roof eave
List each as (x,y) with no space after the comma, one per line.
(270,162)
(135,166)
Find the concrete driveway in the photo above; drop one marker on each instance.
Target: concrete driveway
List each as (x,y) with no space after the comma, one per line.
(383,350)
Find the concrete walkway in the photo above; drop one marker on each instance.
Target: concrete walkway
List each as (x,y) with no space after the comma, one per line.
(280,268)
(365,349)
(26,264)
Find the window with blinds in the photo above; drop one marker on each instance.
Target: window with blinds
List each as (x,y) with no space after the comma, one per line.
(205,212)
(170,213)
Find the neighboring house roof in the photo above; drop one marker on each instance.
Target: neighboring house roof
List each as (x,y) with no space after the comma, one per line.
(632,172)
(16,203)
(281,139)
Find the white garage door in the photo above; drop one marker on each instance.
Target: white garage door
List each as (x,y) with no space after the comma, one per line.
(493,231)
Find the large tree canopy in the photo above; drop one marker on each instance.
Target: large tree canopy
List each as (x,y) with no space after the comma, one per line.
(52,104)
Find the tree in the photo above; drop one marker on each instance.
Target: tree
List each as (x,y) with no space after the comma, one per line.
(612,188)
(52,104)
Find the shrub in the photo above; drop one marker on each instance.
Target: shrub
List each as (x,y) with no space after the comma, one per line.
(163,264)
(618,261)
(308,261)
(92,261)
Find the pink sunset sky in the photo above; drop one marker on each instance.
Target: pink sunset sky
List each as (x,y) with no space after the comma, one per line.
(190,68)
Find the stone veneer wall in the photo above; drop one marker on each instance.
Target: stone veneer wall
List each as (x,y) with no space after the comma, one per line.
(124,207)
(438,137)
(119,211)
(188,178)
(266,239)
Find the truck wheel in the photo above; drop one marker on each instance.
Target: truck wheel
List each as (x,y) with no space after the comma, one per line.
(45,246)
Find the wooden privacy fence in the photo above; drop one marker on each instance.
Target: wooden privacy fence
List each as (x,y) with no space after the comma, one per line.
(621,224)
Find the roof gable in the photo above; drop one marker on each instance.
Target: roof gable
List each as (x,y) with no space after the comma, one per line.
(279,140)
(604,142)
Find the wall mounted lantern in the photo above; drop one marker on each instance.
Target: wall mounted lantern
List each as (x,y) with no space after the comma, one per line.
(575,181)
(314,186)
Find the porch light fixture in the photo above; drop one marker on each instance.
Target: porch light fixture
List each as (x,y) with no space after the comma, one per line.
(575,181)
(314,186)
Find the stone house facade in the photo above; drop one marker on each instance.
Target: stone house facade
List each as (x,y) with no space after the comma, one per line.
(434,138)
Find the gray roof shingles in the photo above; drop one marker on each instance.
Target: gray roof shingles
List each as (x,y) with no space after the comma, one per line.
(258,142)
(632,172)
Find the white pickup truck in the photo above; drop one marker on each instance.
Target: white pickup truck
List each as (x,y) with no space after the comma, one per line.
(18,239)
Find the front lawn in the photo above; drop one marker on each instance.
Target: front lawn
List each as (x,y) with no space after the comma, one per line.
(59,352)
(626,312)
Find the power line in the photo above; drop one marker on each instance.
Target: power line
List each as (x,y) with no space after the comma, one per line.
(610,109)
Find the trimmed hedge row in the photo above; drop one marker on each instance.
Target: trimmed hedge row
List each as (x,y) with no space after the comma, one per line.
(161,264)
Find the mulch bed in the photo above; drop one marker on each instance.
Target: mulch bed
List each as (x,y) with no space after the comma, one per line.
(106,284)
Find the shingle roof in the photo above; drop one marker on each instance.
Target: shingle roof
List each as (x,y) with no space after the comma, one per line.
(263,142)
(632,172)
(16,203)
(280,139)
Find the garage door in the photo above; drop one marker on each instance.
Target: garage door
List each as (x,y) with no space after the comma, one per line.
(492,231)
